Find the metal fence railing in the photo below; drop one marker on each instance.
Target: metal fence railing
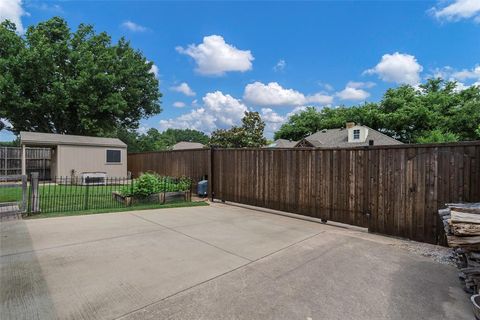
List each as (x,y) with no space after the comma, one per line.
(66,194)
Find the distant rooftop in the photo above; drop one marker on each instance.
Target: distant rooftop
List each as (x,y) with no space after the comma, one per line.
(185,145)
(52,139)
(282,143)
(338,138)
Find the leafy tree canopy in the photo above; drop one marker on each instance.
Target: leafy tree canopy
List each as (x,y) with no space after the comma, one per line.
(153,140)
(438,111)
(249,135)
(59,81)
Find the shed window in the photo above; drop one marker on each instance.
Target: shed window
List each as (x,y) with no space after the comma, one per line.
(114,156)
(356,134)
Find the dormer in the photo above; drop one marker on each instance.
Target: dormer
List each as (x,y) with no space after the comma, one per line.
(356,133)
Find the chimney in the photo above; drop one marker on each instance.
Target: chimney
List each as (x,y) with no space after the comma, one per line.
(350,125)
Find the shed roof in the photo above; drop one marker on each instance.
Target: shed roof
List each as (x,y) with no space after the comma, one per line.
(52,139)
(185,145)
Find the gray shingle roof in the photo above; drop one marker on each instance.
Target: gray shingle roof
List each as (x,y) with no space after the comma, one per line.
(282,143)
(338,138)
(51,139)
(185,145)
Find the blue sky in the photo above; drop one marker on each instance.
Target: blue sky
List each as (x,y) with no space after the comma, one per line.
(215,60)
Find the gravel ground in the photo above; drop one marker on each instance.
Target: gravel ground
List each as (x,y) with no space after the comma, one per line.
(439,254)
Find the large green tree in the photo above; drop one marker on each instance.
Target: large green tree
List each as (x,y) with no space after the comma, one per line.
(55,80)
(249,135)
(437,111)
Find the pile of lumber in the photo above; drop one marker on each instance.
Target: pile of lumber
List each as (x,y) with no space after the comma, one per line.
(462,227)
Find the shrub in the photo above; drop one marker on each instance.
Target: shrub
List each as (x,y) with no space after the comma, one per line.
(150,183)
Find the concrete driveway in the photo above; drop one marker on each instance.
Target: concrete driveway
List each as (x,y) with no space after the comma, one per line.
(216,262)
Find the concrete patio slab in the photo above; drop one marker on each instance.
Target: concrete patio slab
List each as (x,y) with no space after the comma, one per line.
(38,234)
(109,277)
(325,277)
(216,262)
(193,216)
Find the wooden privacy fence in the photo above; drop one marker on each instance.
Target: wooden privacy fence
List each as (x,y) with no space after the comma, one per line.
(37,160)
(189,163)
(392,190)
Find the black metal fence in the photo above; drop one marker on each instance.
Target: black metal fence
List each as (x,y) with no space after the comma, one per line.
(65,194)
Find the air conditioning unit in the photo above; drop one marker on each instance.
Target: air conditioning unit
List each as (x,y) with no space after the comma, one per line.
(93,178)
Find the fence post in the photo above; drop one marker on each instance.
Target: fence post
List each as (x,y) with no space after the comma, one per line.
(210,174)
(131,191)
(165,190)
(87,183)
(24,160)
(24,193)
(34,193)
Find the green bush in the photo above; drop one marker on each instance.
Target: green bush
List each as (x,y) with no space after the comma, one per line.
(150,183)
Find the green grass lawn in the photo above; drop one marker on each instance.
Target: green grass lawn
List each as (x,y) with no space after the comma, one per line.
(62,200)
(10,194)
(124,209)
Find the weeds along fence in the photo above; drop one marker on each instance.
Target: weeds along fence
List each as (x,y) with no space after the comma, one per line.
(66,194)
(392,190)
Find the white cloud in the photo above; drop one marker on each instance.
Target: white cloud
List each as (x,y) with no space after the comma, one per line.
(273,94)
(154,70)
(12,10)
(465,78)
(132,26)
(352,92)
(280,66)
(179,104)
(458,10)
(228,110)
(219,110)
(268,115)
(326,86)
(398,67)
(184,88)
(467,74)
(215,57)
(273,121)
(360,85)
(319,98)
(198,119)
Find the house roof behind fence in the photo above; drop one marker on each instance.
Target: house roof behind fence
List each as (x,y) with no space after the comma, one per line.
(282,143)
(51,139)
(185,145)
(338,138)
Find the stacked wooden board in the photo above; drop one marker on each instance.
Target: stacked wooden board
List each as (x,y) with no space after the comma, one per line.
(462,227)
